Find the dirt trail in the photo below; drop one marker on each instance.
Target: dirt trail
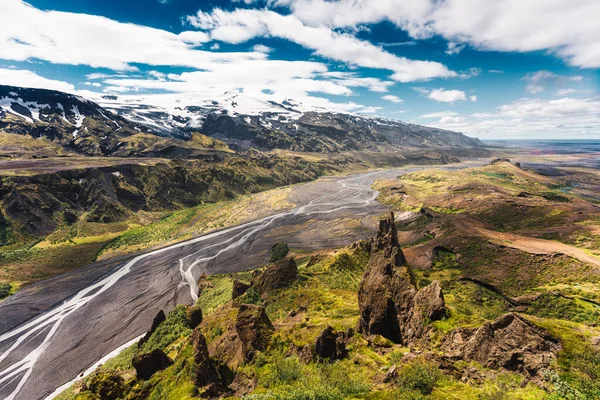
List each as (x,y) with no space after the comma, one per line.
(472,225)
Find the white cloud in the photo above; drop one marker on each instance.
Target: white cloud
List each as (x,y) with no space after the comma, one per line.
(537,80)
(529,118)
(564,92)
(242,25)
(495,71)
(215,46)
(454,48)
(29,79)
(447,96)
(260,48)
(28,33)
(440,114)
(94,84)
(473,98)
(392,98)
(370,110)
(565,27)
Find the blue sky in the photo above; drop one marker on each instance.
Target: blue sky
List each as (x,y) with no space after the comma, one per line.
(492,69)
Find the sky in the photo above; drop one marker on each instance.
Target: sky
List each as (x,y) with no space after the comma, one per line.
(494,69)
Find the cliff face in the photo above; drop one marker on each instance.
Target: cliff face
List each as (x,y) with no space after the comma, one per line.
(390,303)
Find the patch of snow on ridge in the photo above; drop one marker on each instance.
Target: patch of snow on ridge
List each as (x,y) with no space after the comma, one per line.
(78,117)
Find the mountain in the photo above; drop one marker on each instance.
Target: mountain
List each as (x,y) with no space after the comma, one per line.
(114,126)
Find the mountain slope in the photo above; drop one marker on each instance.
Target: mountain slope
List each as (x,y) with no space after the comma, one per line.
(120,127)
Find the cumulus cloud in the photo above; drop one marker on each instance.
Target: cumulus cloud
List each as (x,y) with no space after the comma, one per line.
(560,118)
(261,48)
(565,27)
(28,33)
(447,96)
(392,98)
(241,25)
(538,80)
(29,79)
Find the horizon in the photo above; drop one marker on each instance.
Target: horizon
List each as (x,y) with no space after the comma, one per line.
(487,78)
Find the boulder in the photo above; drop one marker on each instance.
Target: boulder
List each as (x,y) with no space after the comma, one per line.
(194,316)
(147,364)
(331,345)
(389,301)
(159,319)
(239,288)
(510,342)
(254,329)
(278,275)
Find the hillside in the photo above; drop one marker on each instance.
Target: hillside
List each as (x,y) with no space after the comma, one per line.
(113,127)
(458,300)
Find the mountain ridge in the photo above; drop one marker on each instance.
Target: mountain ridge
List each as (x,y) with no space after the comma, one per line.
(107,124)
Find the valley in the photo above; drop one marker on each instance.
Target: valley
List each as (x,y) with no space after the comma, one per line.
(517,318)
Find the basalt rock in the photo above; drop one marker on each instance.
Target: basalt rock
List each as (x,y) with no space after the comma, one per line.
(194,316)
(331,345)
(159,319)
(390,303)
(239,288)
(147,364)
(205,371)
(511,342)
(278,275)
(254,329)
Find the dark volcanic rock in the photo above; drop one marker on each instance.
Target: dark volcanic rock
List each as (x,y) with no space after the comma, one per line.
(147,364)
(239,288)
(390,304)
(511,342)
(278,275)
(194,316)
(159,319)
(331,345)
(205,372)
(254,329)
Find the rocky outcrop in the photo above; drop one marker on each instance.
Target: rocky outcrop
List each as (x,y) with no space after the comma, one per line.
(278,275)
(147,364)
(205,372)
(254,329)
(193,316)
(331,345)
(511,342)
(390,303)
(239,288)
(159,319)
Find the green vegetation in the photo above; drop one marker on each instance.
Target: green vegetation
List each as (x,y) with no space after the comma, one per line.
(5,290)
(418,376)
(278,251)
(173,328)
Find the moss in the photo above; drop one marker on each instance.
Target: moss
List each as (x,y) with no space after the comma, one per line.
(174,327)
(278,251)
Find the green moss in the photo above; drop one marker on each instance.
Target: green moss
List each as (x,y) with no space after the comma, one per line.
(174,327)
(278,251)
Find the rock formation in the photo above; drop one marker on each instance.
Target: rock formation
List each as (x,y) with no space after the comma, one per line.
(511,342)
(390,303)
(278,275)
(159,319)
(194,316)
(147,364)
(331,345)
(205,371)
(239,288)
(254,329)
